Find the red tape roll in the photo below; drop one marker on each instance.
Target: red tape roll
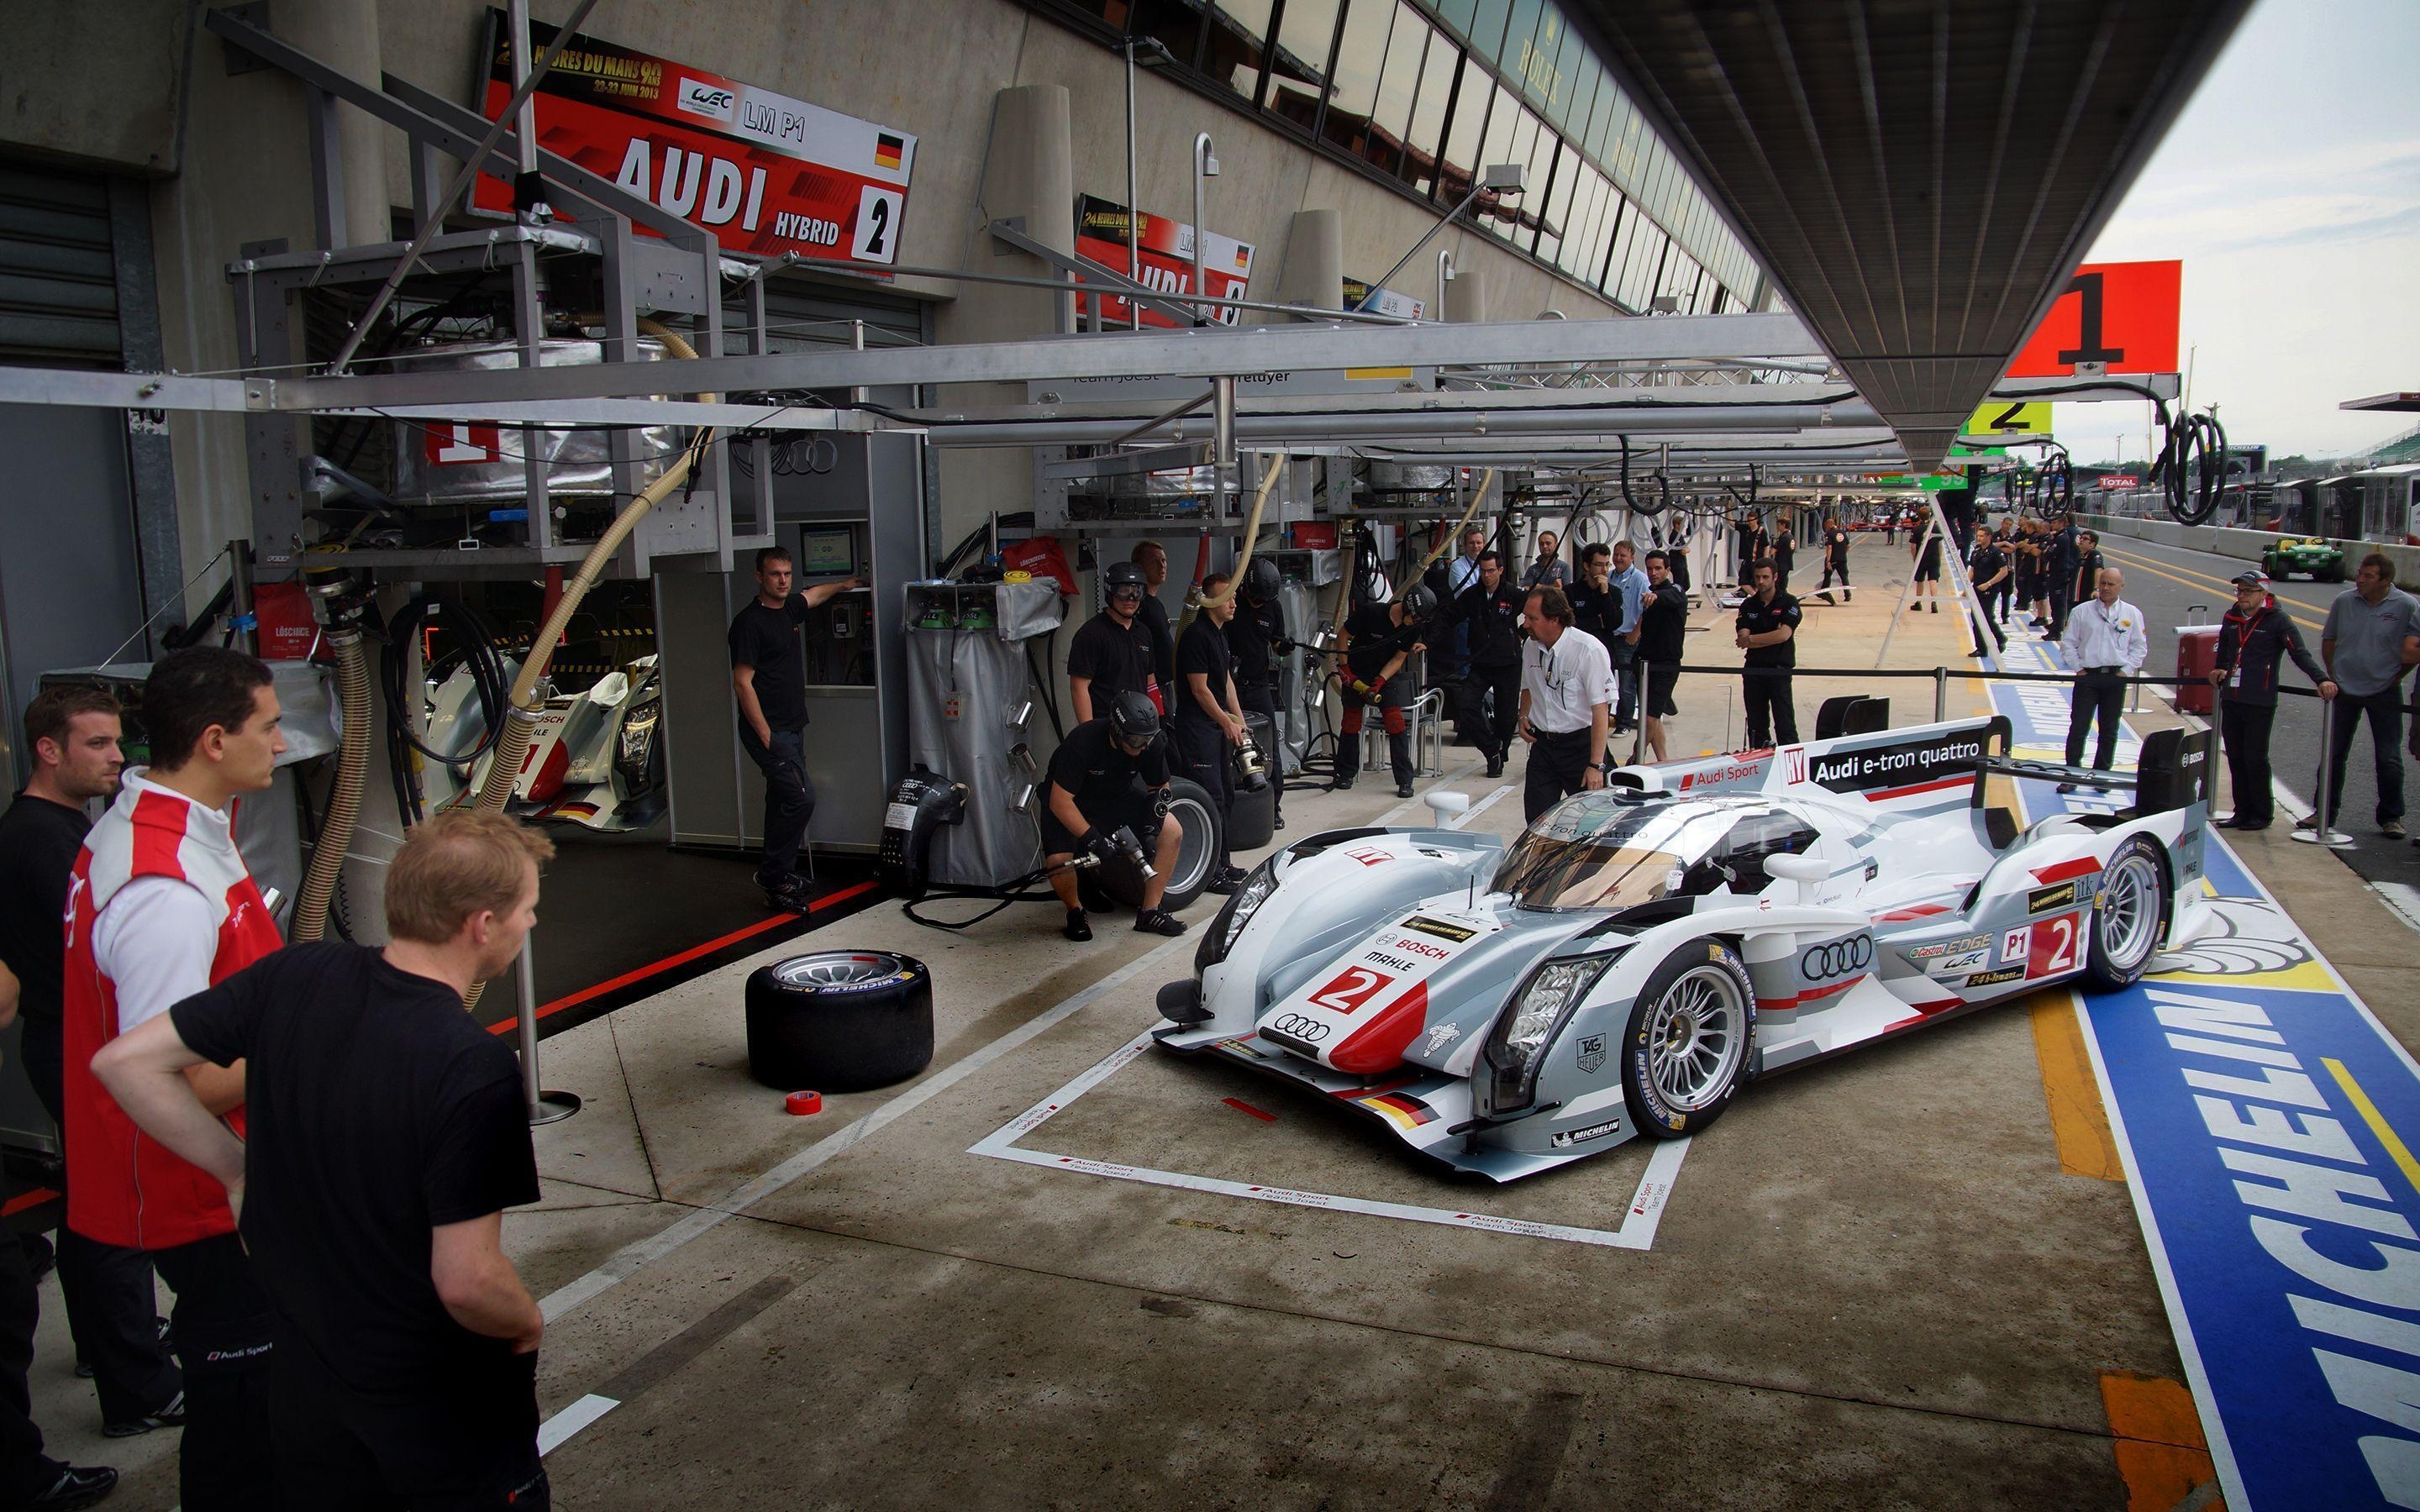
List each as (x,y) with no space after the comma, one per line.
(804,1102)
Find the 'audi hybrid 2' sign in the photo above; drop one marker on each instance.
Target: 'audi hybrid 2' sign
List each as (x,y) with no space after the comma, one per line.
(764,172)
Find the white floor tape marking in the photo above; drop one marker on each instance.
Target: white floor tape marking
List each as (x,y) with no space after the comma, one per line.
(1638,1230)
(562,1426)
(637,1257)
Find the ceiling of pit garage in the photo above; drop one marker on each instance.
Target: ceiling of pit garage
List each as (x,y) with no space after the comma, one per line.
(1919,177)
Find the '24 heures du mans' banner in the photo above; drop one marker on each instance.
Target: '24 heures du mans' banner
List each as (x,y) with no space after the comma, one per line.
(1166,250)
(764,172)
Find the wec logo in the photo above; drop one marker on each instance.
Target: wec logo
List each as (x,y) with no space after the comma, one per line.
(715,100)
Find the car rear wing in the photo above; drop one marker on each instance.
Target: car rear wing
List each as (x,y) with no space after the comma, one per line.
(1917,767)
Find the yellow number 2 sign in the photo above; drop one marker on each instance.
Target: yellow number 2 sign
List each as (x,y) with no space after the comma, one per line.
(2004,420)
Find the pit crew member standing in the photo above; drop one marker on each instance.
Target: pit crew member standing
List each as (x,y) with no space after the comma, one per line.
(1256,637)
(2106,642)
(1151,558)
(2371,635)
(1623,644)
(162,908)
(1549,568)
(1491,611)
(1767,630)
(1924,549)
(1566,703)
(1379,639)
(388,1135)
(1988,565)
(1098,779)
(2087,577)
(1662,626)
(1836,560)
(1112,653)
(1461,576)
(2253,639)
(1785,554)
(73,733)
(769,678)
(1209,714)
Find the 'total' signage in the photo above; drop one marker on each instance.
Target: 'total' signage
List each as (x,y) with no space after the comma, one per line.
(2123,315)
(764,172)
(1166,249)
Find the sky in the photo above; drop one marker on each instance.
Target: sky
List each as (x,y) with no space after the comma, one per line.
(2290,189)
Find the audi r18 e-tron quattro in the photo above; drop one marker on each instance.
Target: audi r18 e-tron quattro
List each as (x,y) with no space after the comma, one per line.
(1640,953)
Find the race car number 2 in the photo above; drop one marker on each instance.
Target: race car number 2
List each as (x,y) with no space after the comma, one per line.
(2058,945)
(1351,990)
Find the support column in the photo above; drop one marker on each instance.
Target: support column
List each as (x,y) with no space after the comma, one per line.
(344,34)
(1465,299)
(1315,262)
(1029,176)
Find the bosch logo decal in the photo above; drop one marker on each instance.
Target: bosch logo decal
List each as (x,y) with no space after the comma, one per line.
(1300,1026)
(1839,958)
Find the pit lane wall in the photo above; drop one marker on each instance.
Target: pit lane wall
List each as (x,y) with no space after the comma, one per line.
(2266,1119)
(2244,546)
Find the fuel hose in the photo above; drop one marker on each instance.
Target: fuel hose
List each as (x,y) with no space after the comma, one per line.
(345,803)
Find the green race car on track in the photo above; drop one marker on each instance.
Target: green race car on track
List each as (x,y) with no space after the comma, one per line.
(2288,556)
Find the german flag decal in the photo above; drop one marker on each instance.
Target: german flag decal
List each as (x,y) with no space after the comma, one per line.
(887,149)
(1404,1113)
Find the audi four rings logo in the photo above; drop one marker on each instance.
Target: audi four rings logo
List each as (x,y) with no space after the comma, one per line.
(1301,1026)
(1839,958)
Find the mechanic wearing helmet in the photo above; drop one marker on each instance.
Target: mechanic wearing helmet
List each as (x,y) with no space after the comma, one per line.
(1112,653)
(1379,639)
(1209,723)
(1098,780)
(1491,609)
(1566,703)
(1256,637)
(2253,639)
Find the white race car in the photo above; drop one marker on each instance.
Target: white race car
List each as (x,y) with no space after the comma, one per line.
(1642,953)
(594,759)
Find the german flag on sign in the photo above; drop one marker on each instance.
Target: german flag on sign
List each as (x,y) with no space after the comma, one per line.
(887,149)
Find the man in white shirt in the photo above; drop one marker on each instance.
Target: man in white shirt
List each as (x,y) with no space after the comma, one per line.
(2104,643)
(1566,703)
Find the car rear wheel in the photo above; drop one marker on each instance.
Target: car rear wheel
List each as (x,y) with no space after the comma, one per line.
(1689,1041)
(2127,916)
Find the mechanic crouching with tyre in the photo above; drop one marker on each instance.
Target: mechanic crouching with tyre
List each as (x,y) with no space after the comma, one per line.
(1209,723)
(1098,780)
(1379,639)
(2253,638)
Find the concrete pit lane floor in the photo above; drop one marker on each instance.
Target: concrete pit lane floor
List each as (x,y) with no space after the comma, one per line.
(1904,1278)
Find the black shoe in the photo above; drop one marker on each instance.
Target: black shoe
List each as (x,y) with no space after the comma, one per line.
(1157,921)
(1225,880)
(1279,823)
(1937,609)
(1496,766)
(1079,929)
(1402,790)
(1343,781)
(2230,822)
(41,1257)
(76,1486)
(2256,825)
(792,896)
(170,1417)
(2067,787)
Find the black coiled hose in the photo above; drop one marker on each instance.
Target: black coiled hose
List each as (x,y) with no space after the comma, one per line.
(1662,486)
(2191,469)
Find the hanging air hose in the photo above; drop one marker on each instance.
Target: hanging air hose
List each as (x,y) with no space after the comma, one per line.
(1662,486)
(1275,469)
(2191,468)
(345,803)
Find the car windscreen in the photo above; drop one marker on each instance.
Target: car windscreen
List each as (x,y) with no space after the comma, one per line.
(1601,850)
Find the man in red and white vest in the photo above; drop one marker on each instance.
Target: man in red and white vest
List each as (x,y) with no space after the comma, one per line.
(161,907)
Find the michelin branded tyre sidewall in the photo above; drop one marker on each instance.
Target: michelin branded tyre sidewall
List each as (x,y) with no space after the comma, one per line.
(2100,972)
(1657,1117)
(862,1027)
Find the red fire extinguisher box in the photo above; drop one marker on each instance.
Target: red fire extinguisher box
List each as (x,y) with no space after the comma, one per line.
(2196,655)
(287,630)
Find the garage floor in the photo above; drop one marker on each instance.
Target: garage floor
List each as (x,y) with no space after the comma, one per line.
(1876,1283)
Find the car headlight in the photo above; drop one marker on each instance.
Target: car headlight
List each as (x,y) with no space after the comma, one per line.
(636,742)
(1241,905)
(1529,1021)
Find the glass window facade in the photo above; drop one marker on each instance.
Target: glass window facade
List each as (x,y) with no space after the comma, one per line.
(1427,93)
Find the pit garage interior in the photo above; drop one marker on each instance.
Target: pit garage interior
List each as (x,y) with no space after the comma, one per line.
(372,349)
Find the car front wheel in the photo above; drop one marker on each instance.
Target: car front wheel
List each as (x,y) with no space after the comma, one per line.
(1689,1041)
(2128,917)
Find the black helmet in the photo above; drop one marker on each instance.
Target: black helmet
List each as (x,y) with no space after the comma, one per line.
(1419,601)
(1261,580)
(1133,719)
(1118,575)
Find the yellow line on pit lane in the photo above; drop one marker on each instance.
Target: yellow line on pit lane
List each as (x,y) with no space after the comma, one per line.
(2201,581)
(2376,1122)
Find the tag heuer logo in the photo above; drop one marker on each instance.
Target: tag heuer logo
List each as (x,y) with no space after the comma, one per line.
(1592,1052)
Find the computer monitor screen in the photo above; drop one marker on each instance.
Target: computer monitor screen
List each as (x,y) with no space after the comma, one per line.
(826,552)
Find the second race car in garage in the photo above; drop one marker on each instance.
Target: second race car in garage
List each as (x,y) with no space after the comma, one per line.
(1640,953)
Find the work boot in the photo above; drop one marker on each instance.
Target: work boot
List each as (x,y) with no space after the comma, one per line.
(1079,927)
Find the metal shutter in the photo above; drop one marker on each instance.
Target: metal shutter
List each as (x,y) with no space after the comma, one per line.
(58,284)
